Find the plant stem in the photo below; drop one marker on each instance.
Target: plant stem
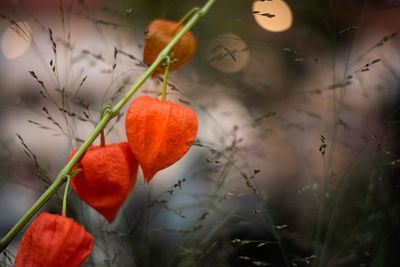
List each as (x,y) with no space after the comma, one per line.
(64,203)
(108,115)
(185,17)
(106,109)
(188,14)
(165,80)
(272,227)
(102,138)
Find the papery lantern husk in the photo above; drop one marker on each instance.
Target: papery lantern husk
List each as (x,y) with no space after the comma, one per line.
(160,33)
(108,175)
(159,133)
(54,241)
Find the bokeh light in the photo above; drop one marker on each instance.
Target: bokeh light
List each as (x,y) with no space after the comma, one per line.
(16,40)
(228,53)
(273,16)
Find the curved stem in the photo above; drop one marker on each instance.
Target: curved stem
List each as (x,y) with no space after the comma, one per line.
(188,14)
(64,203)
(107,109)
(185,17)
(60,180)
(165,80)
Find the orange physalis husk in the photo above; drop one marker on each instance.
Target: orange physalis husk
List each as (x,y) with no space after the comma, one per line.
(54,241)
(160,33)
(108,175)
(159,133)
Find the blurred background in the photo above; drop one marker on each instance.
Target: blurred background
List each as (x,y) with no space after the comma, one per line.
(296,161)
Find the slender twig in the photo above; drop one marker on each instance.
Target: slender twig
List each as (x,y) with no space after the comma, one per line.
(102,136)
(165,80)
(64,203)
(110,114)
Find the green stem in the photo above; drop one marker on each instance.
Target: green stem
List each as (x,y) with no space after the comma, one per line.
(188,14)
(185,17)
(64,203)
(107,109)
(164,86)
(61,178)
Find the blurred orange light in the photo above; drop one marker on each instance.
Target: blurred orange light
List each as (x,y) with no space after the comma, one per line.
(273,15)
(16,40)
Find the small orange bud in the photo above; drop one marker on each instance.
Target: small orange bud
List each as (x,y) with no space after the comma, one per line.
(108,175)
(54,241)
(160,33)
(159,133)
